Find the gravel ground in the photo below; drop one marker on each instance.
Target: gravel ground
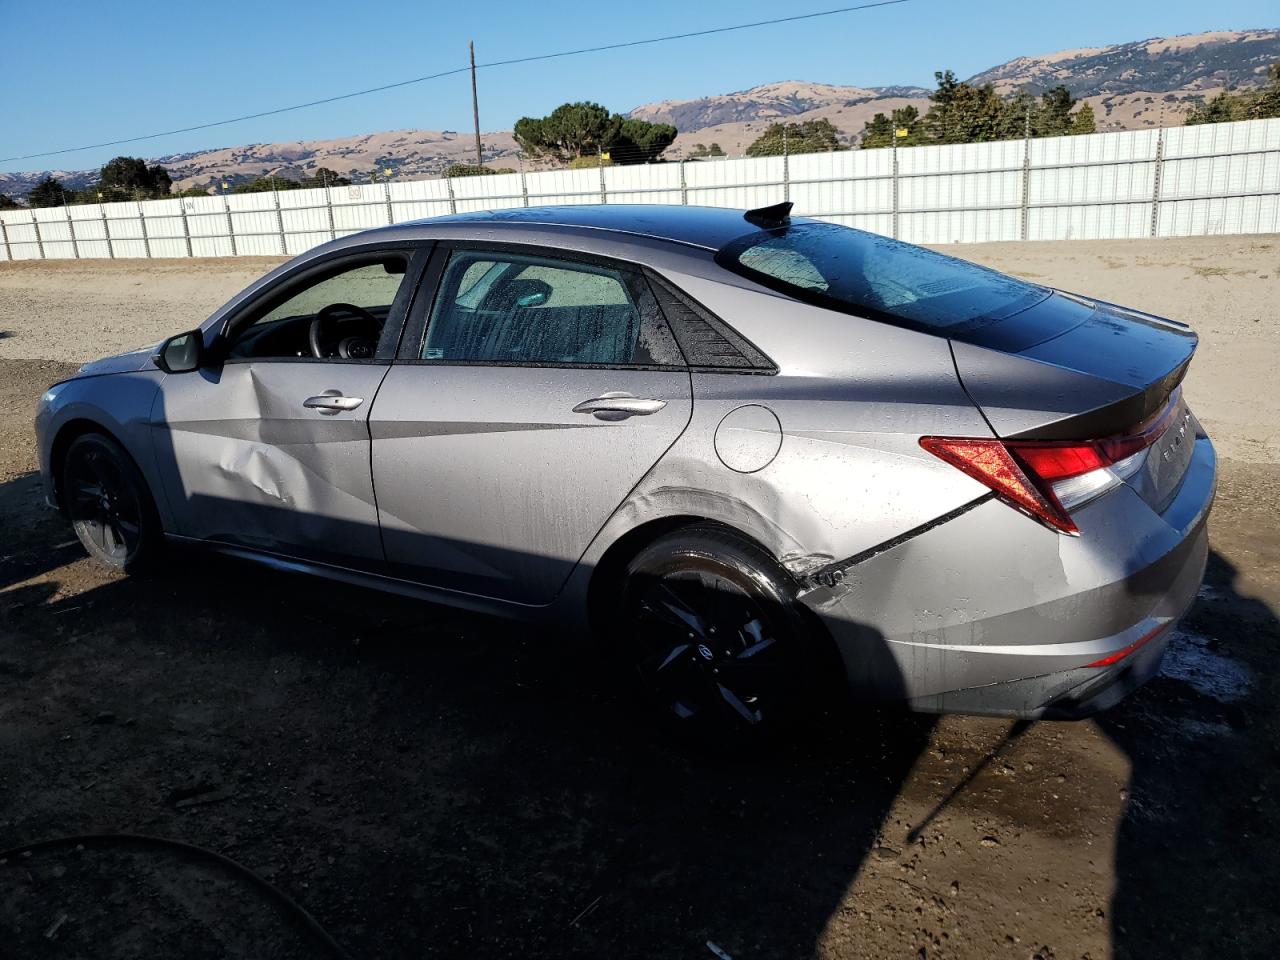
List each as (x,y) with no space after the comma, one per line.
(430,783)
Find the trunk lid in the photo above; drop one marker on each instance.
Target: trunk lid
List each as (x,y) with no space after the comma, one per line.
(1071,368)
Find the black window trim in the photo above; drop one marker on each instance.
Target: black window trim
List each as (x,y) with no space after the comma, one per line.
(759,362)
(418,253)
(415,333)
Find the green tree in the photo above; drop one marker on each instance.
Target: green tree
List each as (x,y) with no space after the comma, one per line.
(1245,105)
(129,178)
(962,113)
(1221,109)
(1053,119)
(8,203)
(587,129)
(639,141)
(877,132)
(48,193)
(701,150)
(811,136)
(1082,121)
(267,185)
(473,170)
(324,177)
(881,131)
(1267,102)
(570,130)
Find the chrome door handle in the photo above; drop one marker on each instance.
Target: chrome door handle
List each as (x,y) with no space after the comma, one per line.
(331,402)
(619,406)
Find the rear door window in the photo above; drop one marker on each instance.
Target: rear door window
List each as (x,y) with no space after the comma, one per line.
(515,308)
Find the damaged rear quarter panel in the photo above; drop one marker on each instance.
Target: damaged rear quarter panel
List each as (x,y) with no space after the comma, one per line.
(853,397)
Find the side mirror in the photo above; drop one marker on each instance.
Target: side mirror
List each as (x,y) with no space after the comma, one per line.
(181,353)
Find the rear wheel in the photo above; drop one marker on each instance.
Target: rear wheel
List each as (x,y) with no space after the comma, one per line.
(711,627)
(107,500)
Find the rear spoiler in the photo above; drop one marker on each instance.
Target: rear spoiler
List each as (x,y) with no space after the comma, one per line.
(1115,417)
(1095,379)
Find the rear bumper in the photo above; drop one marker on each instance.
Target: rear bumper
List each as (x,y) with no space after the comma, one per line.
(991,613)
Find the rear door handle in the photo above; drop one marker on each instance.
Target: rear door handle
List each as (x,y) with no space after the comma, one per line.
(619,406)
(331,402)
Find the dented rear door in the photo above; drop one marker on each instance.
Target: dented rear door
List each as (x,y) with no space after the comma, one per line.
(247,462)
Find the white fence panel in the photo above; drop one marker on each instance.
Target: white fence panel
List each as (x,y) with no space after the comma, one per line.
(416,199)
(1093,222)
(358,208)
(165,228)
(562,187)
(1227,175)
(55,233)
(838,186)
(751,182)
(20,234)
(304,217)
(1211,179)
(255,224)
(494,192)
(124,229)
(90,231)
(965,193)
(1218,138)
(645,183)
(1211,217)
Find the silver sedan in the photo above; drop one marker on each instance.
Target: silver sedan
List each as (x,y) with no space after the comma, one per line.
(763,460)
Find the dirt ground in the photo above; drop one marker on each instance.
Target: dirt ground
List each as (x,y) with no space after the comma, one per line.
(431,783)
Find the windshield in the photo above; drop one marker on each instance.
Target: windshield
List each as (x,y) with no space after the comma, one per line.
(886,279)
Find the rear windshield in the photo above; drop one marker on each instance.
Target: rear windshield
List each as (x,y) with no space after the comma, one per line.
(874,276)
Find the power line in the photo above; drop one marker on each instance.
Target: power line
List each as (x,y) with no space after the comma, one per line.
(448,73)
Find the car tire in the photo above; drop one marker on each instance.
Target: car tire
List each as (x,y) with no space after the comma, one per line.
(109,505)
(709,625)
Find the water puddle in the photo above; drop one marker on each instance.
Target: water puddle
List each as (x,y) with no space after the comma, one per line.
(1191,658)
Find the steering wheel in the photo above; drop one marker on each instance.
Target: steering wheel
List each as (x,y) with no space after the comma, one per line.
(349,348)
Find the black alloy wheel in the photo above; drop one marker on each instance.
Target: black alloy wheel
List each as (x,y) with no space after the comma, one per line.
(107,501)
(711,626)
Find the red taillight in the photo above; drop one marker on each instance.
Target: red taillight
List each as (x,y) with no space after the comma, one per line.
(1023,472)
(990,462)
(1059,461)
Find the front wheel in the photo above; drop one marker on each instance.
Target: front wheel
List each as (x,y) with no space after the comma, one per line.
(711,627)
(108,503)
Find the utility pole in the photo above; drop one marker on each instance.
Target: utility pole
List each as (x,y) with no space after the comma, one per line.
(475,103)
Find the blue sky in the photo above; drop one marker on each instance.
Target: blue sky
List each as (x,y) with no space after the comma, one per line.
(101,71)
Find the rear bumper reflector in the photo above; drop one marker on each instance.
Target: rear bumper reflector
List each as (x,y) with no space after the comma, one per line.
(1130,649)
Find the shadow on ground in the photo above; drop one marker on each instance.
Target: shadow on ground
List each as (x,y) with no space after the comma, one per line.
(1198,850)
(421,780)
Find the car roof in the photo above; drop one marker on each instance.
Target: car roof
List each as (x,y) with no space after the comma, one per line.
(707,227)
